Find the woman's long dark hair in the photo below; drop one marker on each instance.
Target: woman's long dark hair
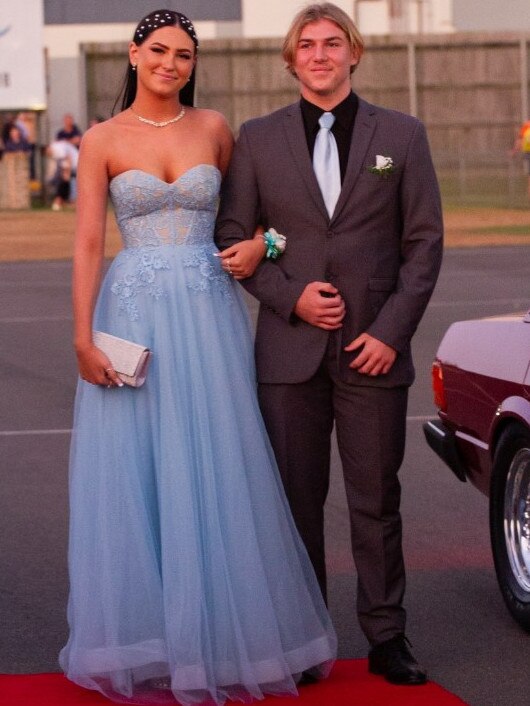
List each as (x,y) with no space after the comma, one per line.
(155,20)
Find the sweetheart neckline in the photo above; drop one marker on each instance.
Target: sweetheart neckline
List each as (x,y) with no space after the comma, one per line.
(163,181)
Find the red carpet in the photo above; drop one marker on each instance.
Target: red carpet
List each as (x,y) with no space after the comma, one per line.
(350,684)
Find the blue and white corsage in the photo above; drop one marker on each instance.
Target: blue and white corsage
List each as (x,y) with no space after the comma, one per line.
(275,243)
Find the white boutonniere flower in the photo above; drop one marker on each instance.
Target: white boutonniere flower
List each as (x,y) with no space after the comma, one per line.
(383,166)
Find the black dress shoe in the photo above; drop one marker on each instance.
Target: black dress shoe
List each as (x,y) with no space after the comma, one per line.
(393,660)
(307,677)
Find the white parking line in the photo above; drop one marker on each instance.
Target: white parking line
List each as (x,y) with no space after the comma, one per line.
(32,319)
(32,432)
(41,432)
(513,303)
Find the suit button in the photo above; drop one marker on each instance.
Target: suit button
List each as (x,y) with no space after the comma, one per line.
(329,234)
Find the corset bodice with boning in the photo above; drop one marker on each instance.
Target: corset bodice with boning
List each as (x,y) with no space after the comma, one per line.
(152,212)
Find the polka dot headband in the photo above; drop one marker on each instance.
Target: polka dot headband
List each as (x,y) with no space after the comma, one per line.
(163,18)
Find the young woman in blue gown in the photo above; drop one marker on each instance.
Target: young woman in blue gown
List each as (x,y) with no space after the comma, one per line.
(188,580)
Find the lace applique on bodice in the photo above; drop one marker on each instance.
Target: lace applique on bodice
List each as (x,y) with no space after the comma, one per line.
(153,214)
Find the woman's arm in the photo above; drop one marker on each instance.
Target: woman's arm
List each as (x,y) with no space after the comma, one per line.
(88,254)
(241,260)
(224,138)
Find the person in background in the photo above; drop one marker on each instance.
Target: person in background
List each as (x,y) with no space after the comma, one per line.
(72,134)
(62,163)
(15,140)
(69,131)
(26,122)
(522,146)
(7,122)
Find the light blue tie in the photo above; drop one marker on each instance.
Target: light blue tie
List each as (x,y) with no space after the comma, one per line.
(326,162)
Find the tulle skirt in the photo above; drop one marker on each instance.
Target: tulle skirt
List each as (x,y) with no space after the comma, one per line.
(189,581)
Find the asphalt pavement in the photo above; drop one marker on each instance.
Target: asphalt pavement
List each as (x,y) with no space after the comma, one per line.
(458,624)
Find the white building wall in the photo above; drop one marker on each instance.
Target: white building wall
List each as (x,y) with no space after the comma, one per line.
(442,12)
(271,18)
(429,16)
(404,16)
(491,15)
(373,17)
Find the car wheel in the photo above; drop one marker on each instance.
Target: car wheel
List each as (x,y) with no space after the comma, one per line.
(510,520)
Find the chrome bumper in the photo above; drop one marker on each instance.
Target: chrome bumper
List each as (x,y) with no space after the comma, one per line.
(443,442)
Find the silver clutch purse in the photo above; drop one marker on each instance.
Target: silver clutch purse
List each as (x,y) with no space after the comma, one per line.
(130,360)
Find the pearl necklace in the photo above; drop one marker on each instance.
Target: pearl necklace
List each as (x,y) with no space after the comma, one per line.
(154,123)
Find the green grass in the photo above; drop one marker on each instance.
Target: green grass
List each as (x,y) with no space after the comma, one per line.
(483,188)
(502,230)
(485,200)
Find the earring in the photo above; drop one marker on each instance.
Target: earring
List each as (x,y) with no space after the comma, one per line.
(133,67)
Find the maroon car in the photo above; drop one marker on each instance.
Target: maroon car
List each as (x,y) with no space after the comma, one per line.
(481,384)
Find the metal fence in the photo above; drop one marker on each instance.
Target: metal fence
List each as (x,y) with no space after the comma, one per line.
(470,89)
(494,180)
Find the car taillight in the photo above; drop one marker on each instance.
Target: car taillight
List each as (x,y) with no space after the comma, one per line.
(438,386)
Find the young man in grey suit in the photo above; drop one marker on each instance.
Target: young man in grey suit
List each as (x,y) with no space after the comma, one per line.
(359,205)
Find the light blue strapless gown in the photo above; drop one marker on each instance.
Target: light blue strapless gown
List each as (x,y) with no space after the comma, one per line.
(184,559)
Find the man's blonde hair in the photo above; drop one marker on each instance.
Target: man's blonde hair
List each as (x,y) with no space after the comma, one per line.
(314,13)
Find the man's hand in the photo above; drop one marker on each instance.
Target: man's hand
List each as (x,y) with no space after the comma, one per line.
(375,358)
(321,305)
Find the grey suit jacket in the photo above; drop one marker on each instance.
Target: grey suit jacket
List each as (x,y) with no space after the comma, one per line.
(382,248)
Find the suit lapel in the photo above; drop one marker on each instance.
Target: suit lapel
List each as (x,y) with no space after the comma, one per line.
(363,131)
(295,134)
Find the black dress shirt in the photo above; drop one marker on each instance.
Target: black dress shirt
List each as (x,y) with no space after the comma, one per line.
(342,129)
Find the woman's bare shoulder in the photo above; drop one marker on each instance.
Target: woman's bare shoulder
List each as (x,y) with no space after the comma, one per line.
(212,119)
(102,132)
